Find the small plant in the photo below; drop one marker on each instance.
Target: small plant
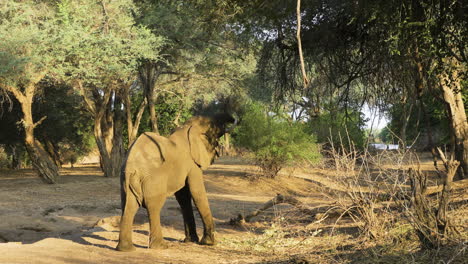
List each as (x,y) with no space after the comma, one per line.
(274,141)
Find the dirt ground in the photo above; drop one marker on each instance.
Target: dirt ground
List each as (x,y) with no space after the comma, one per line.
(76,221)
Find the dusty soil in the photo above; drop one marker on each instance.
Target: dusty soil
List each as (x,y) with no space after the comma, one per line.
(76,221)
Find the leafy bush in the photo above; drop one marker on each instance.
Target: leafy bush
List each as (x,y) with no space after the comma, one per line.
(274,141)
(336,126)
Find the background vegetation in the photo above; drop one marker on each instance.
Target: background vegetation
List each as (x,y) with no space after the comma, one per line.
(274,140)
(82,75)
(72,70)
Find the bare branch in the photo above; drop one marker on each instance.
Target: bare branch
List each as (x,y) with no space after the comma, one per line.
(39,122)
(299,44)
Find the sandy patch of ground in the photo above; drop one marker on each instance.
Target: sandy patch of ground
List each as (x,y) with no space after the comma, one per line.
(76,221)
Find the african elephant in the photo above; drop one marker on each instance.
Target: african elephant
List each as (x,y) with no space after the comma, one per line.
(157,167)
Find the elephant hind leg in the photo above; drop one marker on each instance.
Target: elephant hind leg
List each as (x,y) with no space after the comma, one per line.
(184,198)
(126,224)
(154,205)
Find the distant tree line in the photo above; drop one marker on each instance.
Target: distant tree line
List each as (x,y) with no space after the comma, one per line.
(78,73)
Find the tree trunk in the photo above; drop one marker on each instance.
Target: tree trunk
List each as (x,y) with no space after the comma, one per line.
(227,143)
(132,126)
(430,141)
(15,162)
(404,123)
(149,74)
(40,159)
(118,152)
(451,89)
(52,150)
(153,117)
(15,153)
(108,135)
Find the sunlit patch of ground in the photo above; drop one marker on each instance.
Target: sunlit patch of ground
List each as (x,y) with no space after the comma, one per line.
(76,221)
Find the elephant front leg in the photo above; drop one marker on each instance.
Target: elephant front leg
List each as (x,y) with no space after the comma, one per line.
(197,189)
(126,225)
(154,205)
(184,198)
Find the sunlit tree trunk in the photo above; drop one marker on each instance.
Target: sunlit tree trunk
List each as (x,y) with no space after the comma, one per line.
(107,110)
(108,121)
(450,84)
(227,143)
(40,159)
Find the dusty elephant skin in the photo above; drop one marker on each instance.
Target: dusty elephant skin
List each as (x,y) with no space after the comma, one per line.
(157,167)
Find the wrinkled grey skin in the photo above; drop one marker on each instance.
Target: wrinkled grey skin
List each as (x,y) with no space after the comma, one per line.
(157,167)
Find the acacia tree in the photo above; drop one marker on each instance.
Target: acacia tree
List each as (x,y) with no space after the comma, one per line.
(29,50)
(430,41)
(363,48)
(104,51)
(201,58)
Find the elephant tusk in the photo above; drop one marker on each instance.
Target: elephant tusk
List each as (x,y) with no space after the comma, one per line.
(228,130)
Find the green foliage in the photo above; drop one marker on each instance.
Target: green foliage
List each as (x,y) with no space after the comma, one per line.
(418,124)
(103,45)
(274,141)
(67,126)
(171,113)
(386,136)
(203,55)
(336,127)
(30,45)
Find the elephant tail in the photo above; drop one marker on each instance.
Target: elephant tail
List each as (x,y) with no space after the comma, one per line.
(133,187)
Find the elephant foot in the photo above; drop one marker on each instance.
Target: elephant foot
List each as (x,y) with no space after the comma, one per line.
(208,240)
(159,245)
(125,247)
(191,239)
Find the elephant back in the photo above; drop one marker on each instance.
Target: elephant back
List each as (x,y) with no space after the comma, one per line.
(149,149)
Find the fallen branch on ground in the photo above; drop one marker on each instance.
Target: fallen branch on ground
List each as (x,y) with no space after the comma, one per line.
(317,212)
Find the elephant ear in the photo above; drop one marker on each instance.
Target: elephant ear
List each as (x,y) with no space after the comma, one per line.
(198,147)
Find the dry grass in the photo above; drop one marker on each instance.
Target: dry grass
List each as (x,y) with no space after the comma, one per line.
(358,216)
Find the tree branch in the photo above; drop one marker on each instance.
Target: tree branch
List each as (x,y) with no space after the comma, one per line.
(39,122)
(89,103)
(299,44)
(16,93)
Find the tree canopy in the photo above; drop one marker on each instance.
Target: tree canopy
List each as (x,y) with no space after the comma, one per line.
(135,66)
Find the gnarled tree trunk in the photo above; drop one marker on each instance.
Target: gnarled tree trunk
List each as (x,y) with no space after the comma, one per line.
(106,107)
(51,148)
(450,83)
(40,159)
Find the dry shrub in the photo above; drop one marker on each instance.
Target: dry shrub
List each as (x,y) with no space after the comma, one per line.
(369,187)
(428,216)
(383,199)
